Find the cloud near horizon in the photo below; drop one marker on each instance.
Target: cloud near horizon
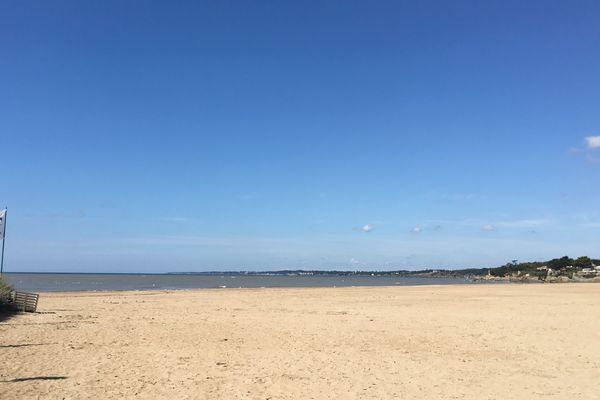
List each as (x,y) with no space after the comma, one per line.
(524,223)
(488,228)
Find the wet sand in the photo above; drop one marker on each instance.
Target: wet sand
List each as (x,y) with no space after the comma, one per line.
(420,342)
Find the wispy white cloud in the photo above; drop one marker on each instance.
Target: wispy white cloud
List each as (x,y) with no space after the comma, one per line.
(366,228)
(506,223)
(524,223)
(592,142)
(488,228)
(416,230)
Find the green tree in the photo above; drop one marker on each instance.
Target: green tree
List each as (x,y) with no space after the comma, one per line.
(560,263)
(583,262)
(5,290)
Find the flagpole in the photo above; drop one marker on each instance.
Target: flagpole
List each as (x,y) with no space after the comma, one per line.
(3,239)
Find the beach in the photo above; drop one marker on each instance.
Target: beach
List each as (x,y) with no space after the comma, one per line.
(530,341)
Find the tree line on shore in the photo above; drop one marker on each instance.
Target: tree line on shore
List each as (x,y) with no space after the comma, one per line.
(561,266)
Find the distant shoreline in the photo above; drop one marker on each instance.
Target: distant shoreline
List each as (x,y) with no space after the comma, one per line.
(418,273)
(558,270)
(110,282)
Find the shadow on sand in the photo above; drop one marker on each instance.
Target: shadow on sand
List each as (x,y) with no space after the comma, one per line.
(5,346)
(6,313)
(36,378)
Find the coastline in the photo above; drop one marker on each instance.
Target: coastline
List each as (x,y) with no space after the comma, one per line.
(75,282)
(412,342)
(83,293)
(106,282)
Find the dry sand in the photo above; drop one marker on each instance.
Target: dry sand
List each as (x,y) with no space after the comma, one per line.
(428,342)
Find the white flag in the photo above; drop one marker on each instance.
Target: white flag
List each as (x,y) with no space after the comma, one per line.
(2,222)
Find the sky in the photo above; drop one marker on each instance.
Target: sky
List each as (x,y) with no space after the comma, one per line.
(155,136)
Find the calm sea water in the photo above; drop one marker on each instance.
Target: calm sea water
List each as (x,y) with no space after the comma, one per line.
(104,282)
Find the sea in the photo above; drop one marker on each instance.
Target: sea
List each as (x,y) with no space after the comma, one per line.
(68,282)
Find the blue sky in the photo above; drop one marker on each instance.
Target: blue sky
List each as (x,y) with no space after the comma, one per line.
(152,136)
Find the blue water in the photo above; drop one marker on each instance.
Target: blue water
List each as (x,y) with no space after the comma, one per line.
(105,282)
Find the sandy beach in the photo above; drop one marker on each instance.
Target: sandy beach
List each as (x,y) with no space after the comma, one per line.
(427,342)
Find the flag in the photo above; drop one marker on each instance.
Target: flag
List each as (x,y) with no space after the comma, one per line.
(2,222)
